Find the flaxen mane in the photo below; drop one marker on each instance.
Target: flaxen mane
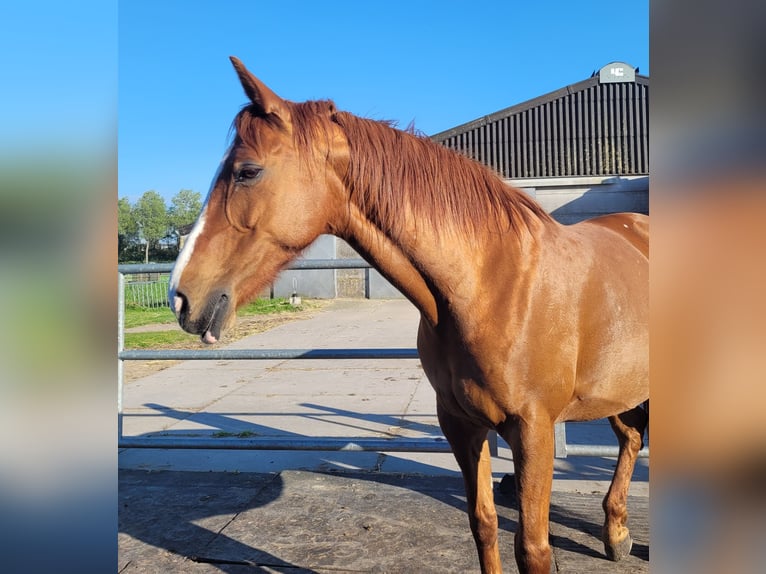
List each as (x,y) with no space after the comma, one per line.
(390,170)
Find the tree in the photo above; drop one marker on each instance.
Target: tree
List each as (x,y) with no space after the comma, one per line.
(127,228)
(151,215)
(184,209)
(126,223)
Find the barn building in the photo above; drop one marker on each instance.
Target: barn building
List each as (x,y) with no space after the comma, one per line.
(581,151)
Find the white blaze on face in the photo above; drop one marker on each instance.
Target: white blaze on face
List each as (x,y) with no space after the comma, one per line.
(183,259)
(186,253)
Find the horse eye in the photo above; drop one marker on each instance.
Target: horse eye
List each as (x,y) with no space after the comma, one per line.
(247,173)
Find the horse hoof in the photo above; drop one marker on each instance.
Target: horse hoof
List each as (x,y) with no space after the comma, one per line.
(620,550)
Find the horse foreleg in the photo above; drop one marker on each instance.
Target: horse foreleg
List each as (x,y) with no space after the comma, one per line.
(532,445)
(629,428)
(471,450)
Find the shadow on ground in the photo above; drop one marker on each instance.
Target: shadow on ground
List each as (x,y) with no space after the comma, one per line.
(322,522)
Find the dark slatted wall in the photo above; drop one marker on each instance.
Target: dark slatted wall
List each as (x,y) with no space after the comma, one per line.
(601,129)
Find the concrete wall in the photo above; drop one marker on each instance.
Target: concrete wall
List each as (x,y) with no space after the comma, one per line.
(573,199)
(317,283)
(568,199)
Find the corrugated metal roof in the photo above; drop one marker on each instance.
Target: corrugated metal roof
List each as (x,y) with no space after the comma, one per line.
(584,129)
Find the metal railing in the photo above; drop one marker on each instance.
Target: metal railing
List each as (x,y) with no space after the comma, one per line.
(398,444)
(147,293)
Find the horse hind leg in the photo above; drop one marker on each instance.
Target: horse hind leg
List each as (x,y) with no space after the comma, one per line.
(629,428)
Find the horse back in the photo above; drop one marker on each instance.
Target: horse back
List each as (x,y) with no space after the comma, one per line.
(633,227)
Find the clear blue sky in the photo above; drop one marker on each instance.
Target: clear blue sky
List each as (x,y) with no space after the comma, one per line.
(437,62)
(59,77)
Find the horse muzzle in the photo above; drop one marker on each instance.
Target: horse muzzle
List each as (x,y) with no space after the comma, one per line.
(209,322)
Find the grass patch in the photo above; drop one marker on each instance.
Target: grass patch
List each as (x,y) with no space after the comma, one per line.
(269,306)
(156,339)
(136,316)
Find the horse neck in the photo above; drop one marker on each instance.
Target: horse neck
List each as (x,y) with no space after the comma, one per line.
(437,233)
(388,257)
(438,270)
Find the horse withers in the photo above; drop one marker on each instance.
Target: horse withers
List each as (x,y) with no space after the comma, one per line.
(524,322)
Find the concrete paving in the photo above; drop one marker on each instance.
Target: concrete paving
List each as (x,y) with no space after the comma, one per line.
(216,510)
(324,522)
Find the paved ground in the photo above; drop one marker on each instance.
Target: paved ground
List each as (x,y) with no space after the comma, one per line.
(299,521)
(279,511)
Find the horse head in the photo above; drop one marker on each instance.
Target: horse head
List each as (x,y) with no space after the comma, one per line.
(277,189)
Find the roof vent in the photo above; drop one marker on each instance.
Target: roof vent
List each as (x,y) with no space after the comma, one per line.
(616,72)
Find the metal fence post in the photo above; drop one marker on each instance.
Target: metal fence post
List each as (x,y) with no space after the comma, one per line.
(492,438)
(120,349)
(560,439)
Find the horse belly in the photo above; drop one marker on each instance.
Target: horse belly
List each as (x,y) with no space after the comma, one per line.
(587,408)
(611,373)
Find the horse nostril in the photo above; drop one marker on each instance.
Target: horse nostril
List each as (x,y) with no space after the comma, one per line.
(179,303)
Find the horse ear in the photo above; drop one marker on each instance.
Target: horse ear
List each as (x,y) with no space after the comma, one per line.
(260,95)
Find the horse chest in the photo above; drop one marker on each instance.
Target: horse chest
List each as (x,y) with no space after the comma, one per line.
(461,388)
(468,399)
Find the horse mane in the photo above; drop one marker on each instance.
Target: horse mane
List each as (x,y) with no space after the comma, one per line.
(391,170)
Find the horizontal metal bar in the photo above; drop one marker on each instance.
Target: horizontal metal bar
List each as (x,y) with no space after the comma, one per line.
(599,450)
(298,264)
(265,354)
(127,268)
(436,444)
(329,264)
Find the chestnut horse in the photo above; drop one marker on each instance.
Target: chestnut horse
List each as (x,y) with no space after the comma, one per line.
(524,322)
